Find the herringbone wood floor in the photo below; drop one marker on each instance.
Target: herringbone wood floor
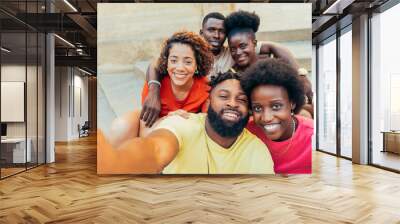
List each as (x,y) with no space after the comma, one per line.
(69,191)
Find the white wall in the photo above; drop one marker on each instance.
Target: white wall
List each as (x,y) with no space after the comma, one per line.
(70,83)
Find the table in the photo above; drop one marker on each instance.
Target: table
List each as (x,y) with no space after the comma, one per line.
(391,141)
(16,147)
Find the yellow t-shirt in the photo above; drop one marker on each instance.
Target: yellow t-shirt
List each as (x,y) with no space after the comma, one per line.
(199,154)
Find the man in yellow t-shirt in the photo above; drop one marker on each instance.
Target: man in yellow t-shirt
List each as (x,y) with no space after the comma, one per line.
(215,143)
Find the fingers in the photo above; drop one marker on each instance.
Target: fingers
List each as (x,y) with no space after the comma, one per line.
(147,114)
(152,118)
(143,111)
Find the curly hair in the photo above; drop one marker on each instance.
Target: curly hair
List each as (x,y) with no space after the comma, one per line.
(201,49)
(241,21)
(215,80)
(274,72)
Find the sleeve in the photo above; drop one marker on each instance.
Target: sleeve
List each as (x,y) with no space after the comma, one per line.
(175,124)
(145,91)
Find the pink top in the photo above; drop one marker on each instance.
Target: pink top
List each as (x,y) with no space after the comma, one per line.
(297,158)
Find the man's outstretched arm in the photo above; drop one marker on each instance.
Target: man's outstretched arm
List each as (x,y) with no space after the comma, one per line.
(152,103)
(146,155)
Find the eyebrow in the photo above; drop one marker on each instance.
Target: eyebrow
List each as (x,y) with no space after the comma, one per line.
(186,57)
(227,91)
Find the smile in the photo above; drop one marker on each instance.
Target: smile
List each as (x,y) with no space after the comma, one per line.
(230,115)
(180,76)
(271,127)
(214,43)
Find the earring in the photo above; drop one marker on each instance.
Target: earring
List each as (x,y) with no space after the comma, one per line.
(292,112)
(196,72)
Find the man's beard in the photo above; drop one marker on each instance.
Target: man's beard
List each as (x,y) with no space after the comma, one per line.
(223,128)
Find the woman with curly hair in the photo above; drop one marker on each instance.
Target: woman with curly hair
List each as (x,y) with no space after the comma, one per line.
(276,95)
(183,64)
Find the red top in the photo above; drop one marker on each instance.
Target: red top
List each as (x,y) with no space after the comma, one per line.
(297,158)
(194,102)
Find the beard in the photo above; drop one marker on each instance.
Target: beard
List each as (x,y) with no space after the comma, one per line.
(223,128)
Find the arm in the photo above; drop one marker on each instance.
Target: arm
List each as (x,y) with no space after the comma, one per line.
(137,156)
(152,103)
(279,51)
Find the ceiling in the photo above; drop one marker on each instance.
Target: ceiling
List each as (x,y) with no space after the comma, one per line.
(75,21)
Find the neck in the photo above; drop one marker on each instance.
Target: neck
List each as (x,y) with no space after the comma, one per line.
(225,142)
(216,52)
(293,127)
(181,92)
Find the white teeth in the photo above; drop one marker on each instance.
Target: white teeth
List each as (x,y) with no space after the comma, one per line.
(231,115)
(179,75)
(271,127)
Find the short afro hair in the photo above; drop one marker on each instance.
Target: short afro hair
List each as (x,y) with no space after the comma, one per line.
(202,52)
(214,15)
(242,21)
(274,72)
(230,74)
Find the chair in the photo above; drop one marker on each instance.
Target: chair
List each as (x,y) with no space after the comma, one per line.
(84,130)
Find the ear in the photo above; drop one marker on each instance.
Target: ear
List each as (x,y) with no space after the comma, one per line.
(201,32)
(293,106)
(255,42)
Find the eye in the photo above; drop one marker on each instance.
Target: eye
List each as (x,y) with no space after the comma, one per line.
(173,61)
(276,107)
(257,109)
(188,62)
(243,46)
(223,96)
(242,100)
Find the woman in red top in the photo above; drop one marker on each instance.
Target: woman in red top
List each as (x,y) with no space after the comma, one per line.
(276,93)
(183,65)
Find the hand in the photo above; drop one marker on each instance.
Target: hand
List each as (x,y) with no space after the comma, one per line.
(151,106)
(180,112)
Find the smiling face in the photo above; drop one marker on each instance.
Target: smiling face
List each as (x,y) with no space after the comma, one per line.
(181,64)
(272,111)
(228,110)
(213,32)
(242,47)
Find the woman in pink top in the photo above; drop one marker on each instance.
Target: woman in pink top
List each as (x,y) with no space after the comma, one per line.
(276,94)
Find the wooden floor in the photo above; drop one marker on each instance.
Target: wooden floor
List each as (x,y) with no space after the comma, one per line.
(69,191)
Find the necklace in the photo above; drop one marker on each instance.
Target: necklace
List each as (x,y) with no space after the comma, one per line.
(290,142)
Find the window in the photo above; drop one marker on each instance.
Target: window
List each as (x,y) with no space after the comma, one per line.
(385,89)
(327,96)
(346,93)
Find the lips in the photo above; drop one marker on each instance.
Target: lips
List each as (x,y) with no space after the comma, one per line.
(214,43)
(242,59)
(271,128)
(231,115)
(180,76)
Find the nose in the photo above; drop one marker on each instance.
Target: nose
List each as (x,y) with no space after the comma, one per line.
(232,103)
(179,65)
(238,52)
(267,116)
(216,35)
